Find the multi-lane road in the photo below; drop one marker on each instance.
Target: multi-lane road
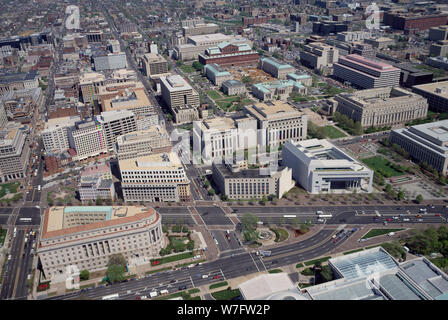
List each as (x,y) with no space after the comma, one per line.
(224,268)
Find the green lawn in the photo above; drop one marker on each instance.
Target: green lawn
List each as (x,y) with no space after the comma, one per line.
(226,294)
(299,265)
(333,132)
(187,68)
(226,102)
(353,251)
(219,284)
(176,257)
(213,94)
(378,232)
(280,234)
(383,165)
(275,271)
(311,262)
(2,236)
(194,290)
(11,187)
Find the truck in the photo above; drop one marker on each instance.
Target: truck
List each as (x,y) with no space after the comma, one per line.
(153,294)
(111,297)
(38,188)
(264,253)
(208,171)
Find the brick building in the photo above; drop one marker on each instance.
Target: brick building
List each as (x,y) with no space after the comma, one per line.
(411,24)
(227,53)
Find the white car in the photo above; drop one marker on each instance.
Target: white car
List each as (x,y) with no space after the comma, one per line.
(204,276)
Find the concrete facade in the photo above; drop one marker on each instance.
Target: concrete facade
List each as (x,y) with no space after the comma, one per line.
(278,122)
(365,73)
(319,166)
(181,98)
(154,178)
(275,68)
(86,237)
(382,106)
(426,143)
(319,55)
(237,183)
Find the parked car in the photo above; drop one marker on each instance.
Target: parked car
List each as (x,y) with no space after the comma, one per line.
(216,277)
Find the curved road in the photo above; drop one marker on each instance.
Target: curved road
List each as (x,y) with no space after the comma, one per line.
(218,270)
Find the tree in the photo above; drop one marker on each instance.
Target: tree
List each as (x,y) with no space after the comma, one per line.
(117,259)
(99,201)
(211,192)
(190,245)
(197,65)
(419,198)
(115,273)
(249,222)
(295,222)
(84,275)
(264,200)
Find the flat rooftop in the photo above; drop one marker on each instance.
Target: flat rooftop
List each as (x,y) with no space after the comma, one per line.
(426,277)
(243,173)
(437,88)
(175,83)
(142,135)
(131,98)
(437,131)
(158,161)
(209,37)
(367,63)
(218,123)
(273,110)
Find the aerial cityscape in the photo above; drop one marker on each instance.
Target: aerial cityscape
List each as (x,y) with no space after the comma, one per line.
(223,150)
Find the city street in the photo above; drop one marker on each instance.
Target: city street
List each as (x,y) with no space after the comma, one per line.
(227,267)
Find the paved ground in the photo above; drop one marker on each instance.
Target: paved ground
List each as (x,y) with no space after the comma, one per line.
(214,216)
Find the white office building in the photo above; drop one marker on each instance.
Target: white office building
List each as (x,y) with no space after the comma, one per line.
(220,137)
(116,123)
(55,136)
(110,61)
(426,143)
(319,166)
(154,178)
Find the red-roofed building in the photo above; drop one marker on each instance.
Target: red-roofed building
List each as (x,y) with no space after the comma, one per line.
(87,236)
(365,73)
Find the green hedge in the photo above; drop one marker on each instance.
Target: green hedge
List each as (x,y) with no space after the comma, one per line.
(219,284)
(226,294)
(275,271)
(311,262)
(299,265)
(176,257)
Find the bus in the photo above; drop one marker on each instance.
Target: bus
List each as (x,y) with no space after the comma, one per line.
(326,215)
(38,188)
(111,297)
(26,219)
